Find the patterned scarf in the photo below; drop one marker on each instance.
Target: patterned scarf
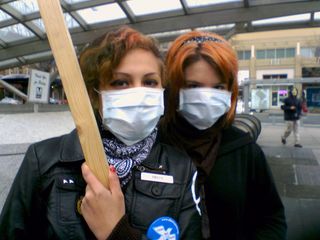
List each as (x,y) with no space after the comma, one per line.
(124,157)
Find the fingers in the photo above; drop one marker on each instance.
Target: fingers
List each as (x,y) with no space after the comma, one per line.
(92,182)
(114,182)
(95,185)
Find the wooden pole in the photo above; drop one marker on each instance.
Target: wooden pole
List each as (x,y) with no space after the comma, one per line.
(73,84)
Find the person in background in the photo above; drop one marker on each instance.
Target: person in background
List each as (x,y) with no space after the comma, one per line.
(56,196)
(240,199)
(304,106)
(292,107)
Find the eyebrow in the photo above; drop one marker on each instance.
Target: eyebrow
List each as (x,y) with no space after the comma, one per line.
(200,83)
(192,81)
(128,75)
(152,73)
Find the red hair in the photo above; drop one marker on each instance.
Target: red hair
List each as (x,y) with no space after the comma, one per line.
(216,51)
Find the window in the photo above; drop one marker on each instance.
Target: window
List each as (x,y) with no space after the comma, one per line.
(244,55)
(274,76)
(271,53)
(247,54)
(280,53)
(308,52)
(290,52)
(276,53)
(261,54)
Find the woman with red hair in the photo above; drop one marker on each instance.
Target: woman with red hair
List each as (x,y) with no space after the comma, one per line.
(56,196)
(240,199)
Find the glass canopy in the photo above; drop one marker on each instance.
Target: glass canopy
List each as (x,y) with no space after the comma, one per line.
(293,18)
(25,6)
(102,13)
(200,3)
(4,16)
(21,25)
(14,33)
(146,7)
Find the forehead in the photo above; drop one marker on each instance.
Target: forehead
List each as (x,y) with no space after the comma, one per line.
(139,58)
(201,71)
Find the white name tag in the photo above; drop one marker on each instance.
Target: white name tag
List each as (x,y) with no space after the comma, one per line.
(153,177)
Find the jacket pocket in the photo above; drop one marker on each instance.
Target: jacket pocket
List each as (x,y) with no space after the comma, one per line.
(69,188)
(153,200)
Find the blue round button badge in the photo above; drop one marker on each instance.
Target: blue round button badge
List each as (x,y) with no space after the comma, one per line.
(164,228)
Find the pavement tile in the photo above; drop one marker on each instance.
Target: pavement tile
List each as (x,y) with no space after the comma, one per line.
(13,149)
(283,174)
(302,218)
(302,191)
(278,160)
(9,166)
(308,175)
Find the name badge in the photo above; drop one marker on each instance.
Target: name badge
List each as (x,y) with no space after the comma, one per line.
(153,177)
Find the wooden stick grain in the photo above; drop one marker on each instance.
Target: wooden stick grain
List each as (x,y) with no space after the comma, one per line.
(73,84)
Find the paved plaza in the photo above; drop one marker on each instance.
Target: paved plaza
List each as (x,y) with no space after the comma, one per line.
(296,170)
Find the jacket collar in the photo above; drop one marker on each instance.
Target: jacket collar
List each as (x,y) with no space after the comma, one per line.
(71,148)
(72,151)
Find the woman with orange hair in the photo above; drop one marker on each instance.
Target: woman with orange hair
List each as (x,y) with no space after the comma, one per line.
(240,199)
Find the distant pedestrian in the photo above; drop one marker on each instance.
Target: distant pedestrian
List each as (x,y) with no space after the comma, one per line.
(292,111)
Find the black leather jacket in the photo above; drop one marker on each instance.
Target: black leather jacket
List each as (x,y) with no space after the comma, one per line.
(42,200)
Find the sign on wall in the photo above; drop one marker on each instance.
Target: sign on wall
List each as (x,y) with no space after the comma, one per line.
(243,75)
(260,98)
(38,88)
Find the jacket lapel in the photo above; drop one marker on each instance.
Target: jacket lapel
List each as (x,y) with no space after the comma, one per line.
(71,148)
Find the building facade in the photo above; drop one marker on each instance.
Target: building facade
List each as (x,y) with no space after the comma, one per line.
(272,62)
(275,61)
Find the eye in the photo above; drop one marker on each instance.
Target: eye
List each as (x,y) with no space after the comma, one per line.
(151,83)
(119,83)
(220,87)
(192,85)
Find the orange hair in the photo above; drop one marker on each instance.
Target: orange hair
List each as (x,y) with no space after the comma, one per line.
(99,60)
(185,51)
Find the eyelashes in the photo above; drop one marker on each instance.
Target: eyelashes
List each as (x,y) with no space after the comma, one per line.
(126,83)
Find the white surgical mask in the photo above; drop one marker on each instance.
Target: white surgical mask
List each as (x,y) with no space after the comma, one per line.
(202,107)
(132,114)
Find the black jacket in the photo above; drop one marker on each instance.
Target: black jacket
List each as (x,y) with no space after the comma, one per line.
(241,197)
(42,201)
(291,114)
